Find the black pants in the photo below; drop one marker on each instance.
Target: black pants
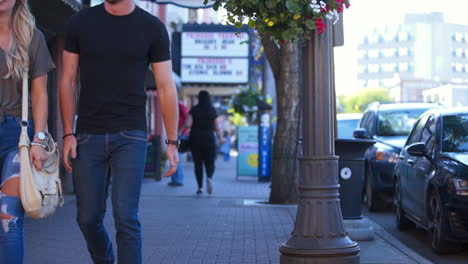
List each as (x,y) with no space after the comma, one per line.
(203,153)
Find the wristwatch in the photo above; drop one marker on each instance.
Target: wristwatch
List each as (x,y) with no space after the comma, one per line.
(172,142)
(41,136)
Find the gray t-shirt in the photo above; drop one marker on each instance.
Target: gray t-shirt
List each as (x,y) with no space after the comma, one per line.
(11,89)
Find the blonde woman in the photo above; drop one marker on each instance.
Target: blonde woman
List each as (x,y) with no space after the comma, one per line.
(22,47)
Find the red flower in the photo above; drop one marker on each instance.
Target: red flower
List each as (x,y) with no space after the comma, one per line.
(320,26)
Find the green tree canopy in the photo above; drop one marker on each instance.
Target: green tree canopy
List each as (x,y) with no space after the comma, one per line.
(357,103)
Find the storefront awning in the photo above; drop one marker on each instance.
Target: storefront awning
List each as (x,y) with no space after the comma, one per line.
(52,15)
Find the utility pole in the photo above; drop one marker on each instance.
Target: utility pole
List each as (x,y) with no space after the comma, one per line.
(319,235)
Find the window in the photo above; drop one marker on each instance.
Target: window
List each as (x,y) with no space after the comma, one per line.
(417,131)
(374,68)
(403,52)
(428,135)
(403,67)
(389,67)
(363,54)
(362,69)
(389,53)
(397,122)
(459,52)
(403,36)
(373,53)
(455,133)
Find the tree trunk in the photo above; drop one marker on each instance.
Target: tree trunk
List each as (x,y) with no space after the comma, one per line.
(285,167)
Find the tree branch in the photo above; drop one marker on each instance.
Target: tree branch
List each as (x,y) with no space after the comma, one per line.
(272,52)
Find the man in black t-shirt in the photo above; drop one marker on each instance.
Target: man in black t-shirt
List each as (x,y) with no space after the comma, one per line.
(113,44)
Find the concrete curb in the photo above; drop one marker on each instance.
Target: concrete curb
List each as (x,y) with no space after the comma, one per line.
(359,229)
(393,241)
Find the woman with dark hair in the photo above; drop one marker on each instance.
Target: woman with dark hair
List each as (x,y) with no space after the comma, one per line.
(203,123)
(23,50)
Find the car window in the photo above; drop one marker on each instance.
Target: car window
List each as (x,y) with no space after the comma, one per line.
(455,133)
(428,135)
(364,120)
(371,124)
(417,131)
(398,122)
(346,128)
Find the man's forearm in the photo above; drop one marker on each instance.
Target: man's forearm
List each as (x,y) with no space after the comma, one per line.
(168,101)
(68,105)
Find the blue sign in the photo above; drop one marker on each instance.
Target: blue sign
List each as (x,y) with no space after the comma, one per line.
(264,168)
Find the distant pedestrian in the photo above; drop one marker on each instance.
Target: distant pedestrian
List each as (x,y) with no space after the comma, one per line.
(23,50)
(225,148)
(177,178)
(203,124)
(112,45)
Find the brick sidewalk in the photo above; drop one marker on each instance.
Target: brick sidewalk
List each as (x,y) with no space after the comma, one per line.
(179,227)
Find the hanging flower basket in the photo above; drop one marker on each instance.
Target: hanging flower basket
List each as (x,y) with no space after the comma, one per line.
(283,20)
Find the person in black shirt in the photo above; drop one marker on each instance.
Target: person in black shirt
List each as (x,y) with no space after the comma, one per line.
(113,44)
(203,124)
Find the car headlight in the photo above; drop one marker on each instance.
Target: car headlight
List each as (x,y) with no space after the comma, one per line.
(459,186)
(387,156)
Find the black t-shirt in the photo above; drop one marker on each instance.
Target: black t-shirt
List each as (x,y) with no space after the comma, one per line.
(203,118)
(115,52)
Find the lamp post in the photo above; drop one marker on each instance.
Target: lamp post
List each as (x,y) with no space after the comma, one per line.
(319,235)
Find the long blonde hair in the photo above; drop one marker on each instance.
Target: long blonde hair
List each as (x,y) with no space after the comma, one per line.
(22,31)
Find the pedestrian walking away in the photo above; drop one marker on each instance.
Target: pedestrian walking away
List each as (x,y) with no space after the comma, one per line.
(177,178)
(23,50)
(203,123)
(113,45)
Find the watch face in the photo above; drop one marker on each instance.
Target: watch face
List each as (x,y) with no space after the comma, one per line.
(41,135)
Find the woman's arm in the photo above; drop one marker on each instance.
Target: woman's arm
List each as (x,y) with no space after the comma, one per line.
(39,101)
(218,131)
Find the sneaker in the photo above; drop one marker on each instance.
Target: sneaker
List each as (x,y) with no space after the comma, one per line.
(209,186)
(199,192)
(175,184)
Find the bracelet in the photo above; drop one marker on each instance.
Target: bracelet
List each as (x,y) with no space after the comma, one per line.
(69,134)
(34,143)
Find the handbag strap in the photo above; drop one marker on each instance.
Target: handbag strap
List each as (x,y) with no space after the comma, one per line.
(24,138)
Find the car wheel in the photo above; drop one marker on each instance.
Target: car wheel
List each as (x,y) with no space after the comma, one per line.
(402,223)
(371,199)
(438,225)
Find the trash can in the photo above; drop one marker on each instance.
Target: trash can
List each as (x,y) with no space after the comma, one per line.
(351,174)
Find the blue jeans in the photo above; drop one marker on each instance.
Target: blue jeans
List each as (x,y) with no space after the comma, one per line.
(178,176)
(121,157)
(11,210)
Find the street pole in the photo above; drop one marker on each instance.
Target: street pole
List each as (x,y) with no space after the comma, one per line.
(319,235)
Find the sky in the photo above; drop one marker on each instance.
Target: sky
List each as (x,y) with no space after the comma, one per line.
(366,14)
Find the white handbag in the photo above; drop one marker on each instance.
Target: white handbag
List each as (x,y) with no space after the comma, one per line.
(41,190)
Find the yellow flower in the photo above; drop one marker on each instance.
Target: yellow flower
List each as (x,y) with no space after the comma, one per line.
(296,17)
(271,23)
(267,20)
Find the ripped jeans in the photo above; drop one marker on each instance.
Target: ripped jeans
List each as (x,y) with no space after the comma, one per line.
(11,210)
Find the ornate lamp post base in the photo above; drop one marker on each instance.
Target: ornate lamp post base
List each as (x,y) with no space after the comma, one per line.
(319,235)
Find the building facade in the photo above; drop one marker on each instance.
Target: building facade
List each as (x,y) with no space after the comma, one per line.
(450,95)
(423,49)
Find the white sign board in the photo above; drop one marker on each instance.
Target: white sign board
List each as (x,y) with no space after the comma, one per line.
(214,44)
(215,70)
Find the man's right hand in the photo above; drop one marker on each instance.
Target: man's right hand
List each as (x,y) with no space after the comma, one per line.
(69,152)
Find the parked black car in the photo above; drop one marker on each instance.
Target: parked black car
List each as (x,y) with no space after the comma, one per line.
(389,125)
(431,178)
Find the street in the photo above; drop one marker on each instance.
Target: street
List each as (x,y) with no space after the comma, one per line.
(416,239)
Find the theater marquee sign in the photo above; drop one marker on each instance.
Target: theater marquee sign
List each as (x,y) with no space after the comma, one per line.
(214,55)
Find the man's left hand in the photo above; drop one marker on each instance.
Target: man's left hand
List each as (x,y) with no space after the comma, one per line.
(173,157)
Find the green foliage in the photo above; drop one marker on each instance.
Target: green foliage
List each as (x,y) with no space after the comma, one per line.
(245,104)
(358,102)
(283,20)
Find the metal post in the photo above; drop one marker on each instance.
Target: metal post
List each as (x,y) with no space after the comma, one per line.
(319,235)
